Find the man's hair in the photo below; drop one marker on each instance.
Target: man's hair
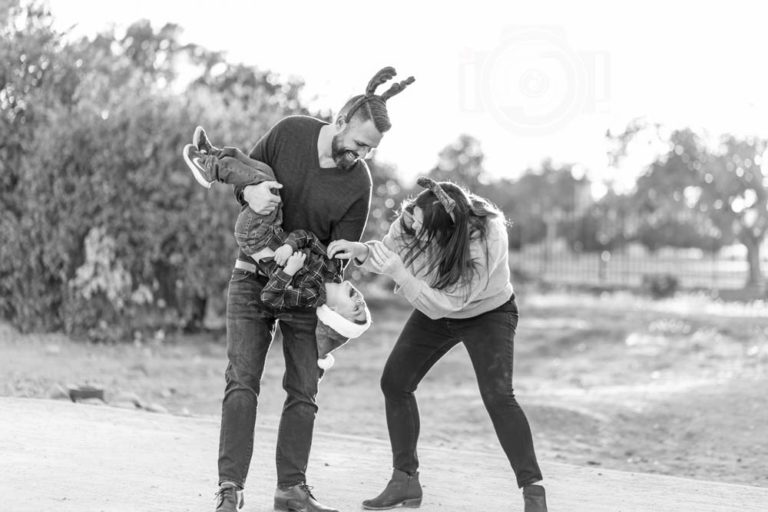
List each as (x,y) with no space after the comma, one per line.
(372,106)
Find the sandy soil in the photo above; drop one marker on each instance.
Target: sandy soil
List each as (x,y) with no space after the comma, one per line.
(676,388)
(96,458)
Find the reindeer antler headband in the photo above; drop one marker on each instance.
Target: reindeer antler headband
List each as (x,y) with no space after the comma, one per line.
(383,75)
(447,201)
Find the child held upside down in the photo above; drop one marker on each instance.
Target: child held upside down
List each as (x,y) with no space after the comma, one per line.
(300,273)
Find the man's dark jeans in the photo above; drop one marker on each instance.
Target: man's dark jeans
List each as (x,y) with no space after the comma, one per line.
(250,325)
(489,340)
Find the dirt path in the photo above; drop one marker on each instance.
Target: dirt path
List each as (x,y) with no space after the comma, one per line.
(59,456)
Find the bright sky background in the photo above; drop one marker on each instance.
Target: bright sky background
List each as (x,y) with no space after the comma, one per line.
(529,79)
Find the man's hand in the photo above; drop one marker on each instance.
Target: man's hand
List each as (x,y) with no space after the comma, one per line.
(295,262)
(282,254)
(345,250)
(260,197)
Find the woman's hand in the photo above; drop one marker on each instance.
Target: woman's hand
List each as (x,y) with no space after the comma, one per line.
(379,254)
(383,260)
(345,250)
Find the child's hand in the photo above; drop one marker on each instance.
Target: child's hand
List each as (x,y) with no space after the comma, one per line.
(295,262)
(282,254)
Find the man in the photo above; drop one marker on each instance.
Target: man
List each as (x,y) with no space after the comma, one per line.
(325,188)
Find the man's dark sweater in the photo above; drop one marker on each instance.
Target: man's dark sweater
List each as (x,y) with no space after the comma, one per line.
(330,202)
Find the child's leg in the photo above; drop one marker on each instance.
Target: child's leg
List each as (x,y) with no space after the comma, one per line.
(233,167)
(255,232)
(250,229)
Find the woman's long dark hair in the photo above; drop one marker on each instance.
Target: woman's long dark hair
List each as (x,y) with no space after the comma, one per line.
(447,243)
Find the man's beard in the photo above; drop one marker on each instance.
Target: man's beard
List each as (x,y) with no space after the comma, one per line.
(344,158)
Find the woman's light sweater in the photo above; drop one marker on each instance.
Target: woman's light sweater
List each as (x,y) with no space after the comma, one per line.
(488,289)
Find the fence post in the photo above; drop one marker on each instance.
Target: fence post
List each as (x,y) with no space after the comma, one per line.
(602,266)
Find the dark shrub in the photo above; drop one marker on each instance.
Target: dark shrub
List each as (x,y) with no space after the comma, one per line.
(660,286)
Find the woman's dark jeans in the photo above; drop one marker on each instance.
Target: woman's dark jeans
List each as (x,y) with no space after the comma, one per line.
(250,325)
(489,340)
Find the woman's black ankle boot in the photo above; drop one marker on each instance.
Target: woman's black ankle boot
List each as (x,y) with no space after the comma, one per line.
(402,490)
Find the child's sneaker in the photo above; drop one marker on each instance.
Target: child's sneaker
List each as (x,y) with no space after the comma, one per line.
(201,142)
(194,160)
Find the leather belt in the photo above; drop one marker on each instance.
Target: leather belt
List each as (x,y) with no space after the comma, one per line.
(248,267)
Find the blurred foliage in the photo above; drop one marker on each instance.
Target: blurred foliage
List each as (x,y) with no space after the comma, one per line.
(660,286)
(462,163)
(104,232)
(601,226)
(692,195)
(697,194)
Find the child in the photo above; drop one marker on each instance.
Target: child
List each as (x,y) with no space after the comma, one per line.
(300,273)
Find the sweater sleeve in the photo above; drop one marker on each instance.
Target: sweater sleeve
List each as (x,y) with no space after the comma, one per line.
(389,242)
(435,303)
(352,225)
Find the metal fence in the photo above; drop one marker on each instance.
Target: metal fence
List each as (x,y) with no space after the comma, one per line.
(552,263)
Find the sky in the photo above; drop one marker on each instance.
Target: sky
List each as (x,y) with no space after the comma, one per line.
(530,80)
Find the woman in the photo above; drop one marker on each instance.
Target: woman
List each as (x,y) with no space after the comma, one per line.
(448,255)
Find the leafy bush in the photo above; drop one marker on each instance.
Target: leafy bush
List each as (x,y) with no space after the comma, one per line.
(660,286)
(103,230)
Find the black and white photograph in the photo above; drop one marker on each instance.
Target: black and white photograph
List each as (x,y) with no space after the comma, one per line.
(342,256)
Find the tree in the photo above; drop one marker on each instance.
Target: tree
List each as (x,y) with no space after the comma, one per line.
(33,77)
(462,163)
(604,225)
(667,197)
(693,195)
(734,195)
(387,195)
(103,230)
(540,200)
